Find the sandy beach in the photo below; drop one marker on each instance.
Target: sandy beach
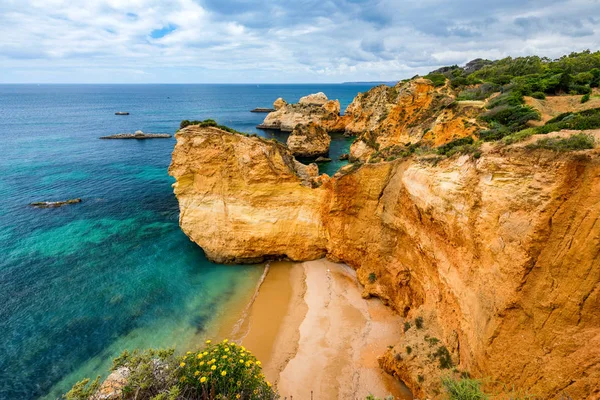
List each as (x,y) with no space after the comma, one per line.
(315,334)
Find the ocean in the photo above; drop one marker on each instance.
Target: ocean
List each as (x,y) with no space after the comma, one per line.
(81,283)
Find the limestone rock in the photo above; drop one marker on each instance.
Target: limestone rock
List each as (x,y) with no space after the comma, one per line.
(313,109)
(309,140)
(231,189)
(112,387)
(409,112)
(500,253)
(317,99)
(280,102)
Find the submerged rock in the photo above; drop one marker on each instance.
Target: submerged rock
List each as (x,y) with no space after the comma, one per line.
(309,140)
(53,204)
(343,157)
(262,110)
(323,160)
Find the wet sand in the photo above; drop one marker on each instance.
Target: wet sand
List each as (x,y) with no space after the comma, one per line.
(317,336)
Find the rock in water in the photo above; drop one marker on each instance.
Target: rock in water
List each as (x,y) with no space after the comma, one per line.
(317,99)
(309,140)
(322,160)
(312,108)
(53,204)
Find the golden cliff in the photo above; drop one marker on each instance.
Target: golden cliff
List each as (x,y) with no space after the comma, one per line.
(499,256)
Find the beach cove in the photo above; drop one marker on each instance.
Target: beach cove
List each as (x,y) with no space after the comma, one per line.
(316,335)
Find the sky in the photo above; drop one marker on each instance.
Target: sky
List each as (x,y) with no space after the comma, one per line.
(278,41)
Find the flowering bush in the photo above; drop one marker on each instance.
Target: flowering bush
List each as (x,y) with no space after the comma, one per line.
(219,371)
(224,370)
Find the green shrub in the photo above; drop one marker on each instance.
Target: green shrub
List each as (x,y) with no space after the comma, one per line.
(223,370)
(518,136)
(208,123)
(419,322)
(408,349)
(444,358)
(437,79)
(579,141)
(407,326)
(421,378)
(83,390)
(372,277)
(588,119)
(539,95)
(585,98)
(463,389)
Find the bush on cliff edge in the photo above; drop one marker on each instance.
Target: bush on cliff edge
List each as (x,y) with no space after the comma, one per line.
(218,371)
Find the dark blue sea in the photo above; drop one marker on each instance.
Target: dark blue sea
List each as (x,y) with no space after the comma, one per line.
(81,283)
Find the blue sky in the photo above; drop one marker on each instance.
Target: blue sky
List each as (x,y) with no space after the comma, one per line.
(278,41)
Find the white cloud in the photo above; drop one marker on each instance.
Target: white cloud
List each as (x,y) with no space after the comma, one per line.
(272,41)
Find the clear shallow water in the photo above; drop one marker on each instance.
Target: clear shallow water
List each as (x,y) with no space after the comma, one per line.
(81,283)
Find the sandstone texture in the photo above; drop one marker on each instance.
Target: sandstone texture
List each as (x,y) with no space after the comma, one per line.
(498,255)
(227,182)
(309,140)
(314,108)
(407,113)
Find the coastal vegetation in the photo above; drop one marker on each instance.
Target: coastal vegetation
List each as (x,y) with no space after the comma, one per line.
(223,370)
(510,79)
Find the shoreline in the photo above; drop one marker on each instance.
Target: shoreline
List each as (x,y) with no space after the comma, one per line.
(316,335)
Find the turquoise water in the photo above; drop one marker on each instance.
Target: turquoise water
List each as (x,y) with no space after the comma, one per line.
(81,283)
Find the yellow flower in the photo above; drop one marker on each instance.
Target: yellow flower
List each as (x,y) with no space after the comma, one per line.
(243,348)
(189,352)
(200,356)
(225,340)
(227,349)
(182,379)
(208,342)
(205,353)
(182,365)
(241,361)
(239,383)
(269,383)
(258,363)
(255,391)
(232,344)
(196,373)
(223,373)
(224,357)
(213,361)
(243,353)
(237,396)
(201,363)
(203,379)
(213,367)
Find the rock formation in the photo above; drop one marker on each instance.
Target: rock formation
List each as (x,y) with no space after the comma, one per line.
(499,255)
(309,140)
(409,112)
(312,108)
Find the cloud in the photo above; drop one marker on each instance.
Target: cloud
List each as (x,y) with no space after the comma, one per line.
(274,41)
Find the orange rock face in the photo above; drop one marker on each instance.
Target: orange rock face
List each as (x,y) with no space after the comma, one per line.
(500,255)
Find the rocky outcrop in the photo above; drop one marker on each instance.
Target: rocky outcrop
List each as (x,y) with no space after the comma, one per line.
(499,255)
(229,189)
(314,108)
(410,112)
(309,140)
(137,135)
(317,99)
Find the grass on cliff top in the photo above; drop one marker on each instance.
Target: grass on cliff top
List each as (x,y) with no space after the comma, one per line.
(218,371)
(209,122)
(513,78)
(588,119)
(579,141)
